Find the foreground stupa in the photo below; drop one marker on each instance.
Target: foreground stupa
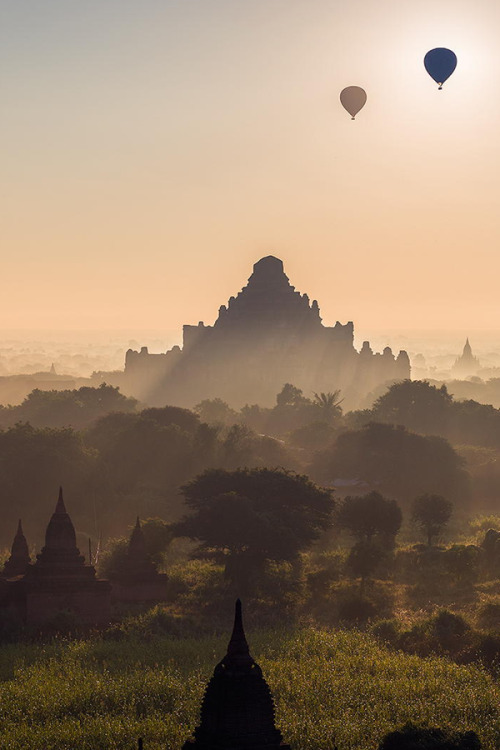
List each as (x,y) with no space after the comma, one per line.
(266,336)
(237,712)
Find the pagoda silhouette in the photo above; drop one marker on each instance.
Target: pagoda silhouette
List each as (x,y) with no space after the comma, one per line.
(237,712)
(19,560)
(137,578)
(58,582)
(467,364)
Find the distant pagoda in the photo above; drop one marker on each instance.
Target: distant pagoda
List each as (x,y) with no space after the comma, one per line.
(19,559)
(137,578)
(60,581)
(466,364)
(237,712)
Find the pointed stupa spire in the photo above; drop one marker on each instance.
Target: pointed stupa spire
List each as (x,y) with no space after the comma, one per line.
(467,364)
(137,543)
(238,709)
(60,534)
(19,544)
(60,507)
(19,559)
(238,652)
(136,577)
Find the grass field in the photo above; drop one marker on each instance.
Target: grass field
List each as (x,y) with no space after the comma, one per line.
(330,688)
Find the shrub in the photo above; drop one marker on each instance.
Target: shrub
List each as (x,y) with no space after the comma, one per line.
(355,609)
(386,631)
(449,630)
(488,616)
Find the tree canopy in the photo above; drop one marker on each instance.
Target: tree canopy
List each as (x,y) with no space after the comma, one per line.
(370,515)
(397,462)
(248,516)
(69,408)
(431,513)
(431,410)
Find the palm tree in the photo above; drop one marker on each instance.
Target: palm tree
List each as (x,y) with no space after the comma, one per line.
(329,405)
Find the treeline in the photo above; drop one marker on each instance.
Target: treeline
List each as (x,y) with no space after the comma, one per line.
(116,461)
(431,410)
(77,408)
(122,466)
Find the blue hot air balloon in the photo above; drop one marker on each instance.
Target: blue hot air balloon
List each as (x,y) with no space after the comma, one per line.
(440,64)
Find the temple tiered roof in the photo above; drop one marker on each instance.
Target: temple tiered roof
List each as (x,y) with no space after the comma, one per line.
(137,565)
(19,559)
(238,708)
(60,557)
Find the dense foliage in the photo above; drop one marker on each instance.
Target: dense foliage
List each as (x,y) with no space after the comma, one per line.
(399,463)
(431,410)
(67,408)
(246,517)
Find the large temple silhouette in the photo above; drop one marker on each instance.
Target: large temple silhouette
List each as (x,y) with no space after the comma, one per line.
(268,335)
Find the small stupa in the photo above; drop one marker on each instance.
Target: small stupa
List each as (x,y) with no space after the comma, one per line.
(137,578)
(467,364)
(60,581)
(237,712)
(19,559)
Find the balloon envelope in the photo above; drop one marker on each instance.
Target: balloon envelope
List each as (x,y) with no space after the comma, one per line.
(353,98)
(440,64)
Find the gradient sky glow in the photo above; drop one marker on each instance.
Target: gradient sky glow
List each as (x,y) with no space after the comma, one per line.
(152,151)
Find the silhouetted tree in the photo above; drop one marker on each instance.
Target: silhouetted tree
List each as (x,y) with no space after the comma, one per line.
(69,408)
(417,405)
(462,563)
(431,513)
(237,447)
(215,411)
(173,415)
(398,462)
(363,561)
(370,515)
(34,462)
(431,410)
(246,517)
(255,417)
(291,396)
(328,406)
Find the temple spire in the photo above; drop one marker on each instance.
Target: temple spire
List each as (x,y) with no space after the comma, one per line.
(19,559)
(238,709)
(137,543)
(60,507)
(60,534)
(237,650)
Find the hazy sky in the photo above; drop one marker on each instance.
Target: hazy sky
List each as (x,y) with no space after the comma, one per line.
(151,151)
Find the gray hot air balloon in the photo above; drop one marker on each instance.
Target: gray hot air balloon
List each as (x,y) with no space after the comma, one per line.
(353,98)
